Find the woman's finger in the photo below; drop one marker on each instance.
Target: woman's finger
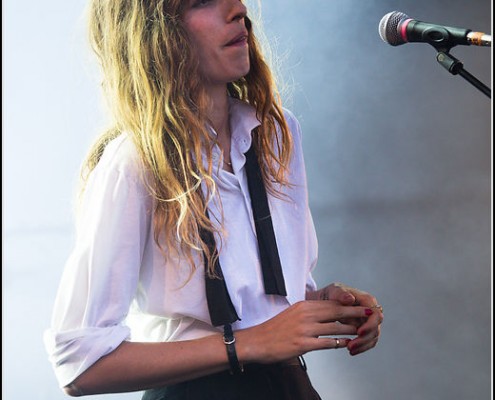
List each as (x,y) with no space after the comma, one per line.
(326,343)
(341,343)
(365,341)
(356,348)
(331,311)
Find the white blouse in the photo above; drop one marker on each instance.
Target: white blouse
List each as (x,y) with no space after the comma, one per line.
(118,286)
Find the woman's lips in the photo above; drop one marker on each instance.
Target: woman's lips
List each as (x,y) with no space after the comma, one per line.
(239,40)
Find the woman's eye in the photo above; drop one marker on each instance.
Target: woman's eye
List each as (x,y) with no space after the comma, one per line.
(201,3)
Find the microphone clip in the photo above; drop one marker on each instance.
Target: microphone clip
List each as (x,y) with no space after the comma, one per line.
(449,62)
(455,67)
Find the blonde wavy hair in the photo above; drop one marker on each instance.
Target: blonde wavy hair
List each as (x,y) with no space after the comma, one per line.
(153,85)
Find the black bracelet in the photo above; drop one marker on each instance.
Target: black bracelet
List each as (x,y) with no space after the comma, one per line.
(229,340)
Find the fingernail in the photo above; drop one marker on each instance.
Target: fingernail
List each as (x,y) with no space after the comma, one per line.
(368,311)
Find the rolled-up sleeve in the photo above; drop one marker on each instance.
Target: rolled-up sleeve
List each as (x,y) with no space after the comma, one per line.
(101,275)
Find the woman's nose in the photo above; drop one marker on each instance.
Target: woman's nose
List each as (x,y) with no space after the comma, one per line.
(236,10)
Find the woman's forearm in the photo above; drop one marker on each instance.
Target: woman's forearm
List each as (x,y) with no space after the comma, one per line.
(139,366)
(301,328)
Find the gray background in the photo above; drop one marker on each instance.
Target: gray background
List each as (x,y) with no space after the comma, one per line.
(398,154)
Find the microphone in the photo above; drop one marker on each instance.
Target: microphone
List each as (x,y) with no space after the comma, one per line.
(397,28)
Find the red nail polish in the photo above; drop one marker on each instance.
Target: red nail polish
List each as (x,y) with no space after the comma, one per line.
(368,311)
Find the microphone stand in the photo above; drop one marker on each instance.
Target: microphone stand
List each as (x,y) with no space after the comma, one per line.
(455,67)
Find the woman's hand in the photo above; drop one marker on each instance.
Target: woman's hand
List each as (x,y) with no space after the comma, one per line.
(301,328)
(368,329)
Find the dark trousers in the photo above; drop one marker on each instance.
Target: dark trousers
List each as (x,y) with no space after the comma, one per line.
(281,381)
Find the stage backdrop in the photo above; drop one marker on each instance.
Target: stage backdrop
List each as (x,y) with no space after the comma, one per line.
(398,155)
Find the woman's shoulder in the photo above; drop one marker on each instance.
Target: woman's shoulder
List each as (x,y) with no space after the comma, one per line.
(288,114)
(121,155)
(292,122)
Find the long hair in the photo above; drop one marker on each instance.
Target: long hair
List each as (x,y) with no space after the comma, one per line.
(154,89)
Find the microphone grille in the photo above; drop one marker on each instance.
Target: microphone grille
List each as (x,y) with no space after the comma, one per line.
(388,28)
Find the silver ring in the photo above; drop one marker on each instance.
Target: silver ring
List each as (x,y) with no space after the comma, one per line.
(378,306)
(337,343)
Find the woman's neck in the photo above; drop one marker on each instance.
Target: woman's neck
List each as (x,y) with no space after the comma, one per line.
(218,115)
(218,110)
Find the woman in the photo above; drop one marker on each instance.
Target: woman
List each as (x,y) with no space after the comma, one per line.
(191,272)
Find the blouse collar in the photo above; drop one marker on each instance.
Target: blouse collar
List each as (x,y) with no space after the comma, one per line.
(243,120)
